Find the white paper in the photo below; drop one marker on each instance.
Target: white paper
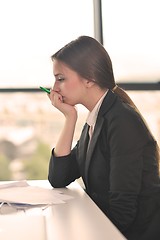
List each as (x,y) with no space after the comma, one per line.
(14,184)
(22,193)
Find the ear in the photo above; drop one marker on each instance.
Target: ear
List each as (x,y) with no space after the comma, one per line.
(89,83)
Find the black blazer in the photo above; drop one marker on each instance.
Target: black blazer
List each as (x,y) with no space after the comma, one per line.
(119,170)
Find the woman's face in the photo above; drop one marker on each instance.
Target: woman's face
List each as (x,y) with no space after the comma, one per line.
(68,83)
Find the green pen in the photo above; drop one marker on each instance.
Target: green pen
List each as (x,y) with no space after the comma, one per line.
(45,89)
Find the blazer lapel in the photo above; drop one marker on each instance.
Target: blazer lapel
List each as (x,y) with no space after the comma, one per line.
(93,141)
(105,107)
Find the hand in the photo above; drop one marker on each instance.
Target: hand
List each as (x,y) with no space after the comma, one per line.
(66,109)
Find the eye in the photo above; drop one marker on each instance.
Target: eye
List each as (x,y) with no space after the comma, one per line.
(60,78)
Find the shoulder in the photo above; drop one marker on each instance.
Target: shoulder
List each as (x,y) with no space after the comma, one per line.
(124,120)
(113,106)
(123,112)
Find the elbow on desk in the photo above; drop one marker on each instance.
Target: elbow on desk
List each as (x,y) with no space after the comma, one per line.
(57,183)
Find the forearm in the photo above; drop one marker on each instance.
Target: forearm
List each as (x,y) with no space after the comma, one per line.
(63,170)
(64,143)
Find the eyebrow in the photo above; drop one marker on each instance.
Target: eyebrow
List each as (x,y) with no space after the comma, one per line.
(57,74)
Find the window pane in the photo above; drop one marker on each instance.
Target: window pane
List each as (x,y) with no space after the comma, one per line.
(32,30)
(132,37)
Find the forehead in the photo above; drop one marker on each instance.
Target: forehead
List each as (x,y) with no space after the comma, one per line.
(60,68)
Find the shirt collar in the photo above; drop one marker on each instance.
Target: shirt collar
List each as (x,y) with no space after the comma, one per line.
(92,116)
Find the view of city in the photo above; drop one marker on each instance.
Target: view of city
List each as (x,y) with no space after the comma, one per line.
(30,125)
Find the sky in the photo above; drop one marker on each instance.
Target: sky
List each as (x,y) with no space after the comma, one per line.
(32,30)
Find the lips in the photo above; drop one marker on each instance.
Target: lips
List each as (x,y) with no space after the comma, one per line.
(63,98)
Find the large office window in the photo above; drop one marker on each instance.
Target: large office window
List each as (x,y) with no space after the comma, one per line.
(31,31)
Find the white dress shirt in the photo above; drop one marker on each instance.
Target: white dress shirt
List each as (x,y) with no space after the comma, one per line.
(92,116)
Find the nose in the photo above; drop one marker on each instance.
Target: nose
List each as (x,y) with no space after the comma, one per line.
(56,86)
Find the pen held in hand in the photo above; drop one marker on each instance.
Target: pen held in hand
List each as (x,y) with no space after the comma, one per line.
(45,89)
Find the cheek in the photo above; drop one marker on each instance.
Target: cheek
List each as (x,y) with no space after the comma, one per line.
(73,86)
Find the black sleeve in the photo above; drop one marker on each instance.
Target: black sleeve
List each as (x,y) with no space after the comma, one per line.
(63,170)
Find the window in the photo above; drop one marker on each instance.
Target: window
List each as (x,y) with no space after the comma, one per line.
(31,31)
(132,36)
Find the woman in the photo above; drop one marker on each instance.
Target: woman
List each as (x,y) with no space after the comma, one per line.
(118,162)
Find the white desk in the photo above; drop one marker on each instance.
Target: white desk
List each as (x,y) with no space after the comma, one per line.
(78,219)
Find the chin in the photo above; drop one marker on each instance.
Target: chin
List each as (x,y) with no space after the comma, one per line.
(70,103)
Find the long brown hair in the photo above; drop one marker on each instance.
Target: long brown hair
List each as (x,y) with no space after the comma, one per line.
(89,59)
(86,56)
